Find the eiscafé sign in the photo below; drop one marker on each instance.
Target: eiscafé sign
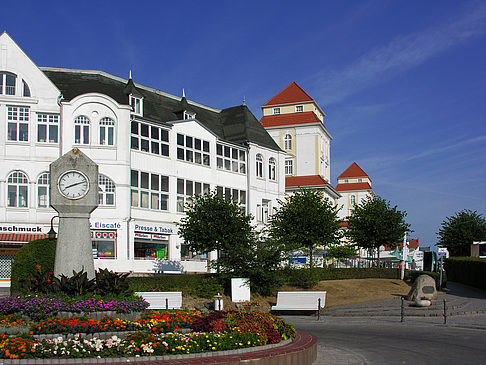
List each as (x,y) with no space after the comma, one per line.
(20,228)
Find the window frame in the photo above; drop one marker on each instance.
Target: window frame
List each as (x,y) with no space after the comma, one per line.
(259,166)
(226,159)
(82,126)
(288,142)
(137,139)
(289,167)
(137,104)
(188,151)
(106,189)
(106,128)
(276,111)
(17,175)
(4,86)
(299,108)
(18,120)
(48,120)
(43,183)
(272,169)
(159,195)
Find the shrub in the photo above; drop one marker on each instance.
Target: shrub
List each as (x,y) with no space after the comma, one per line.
(39,252)
(109,282)
(203,285)
(467,270)
(272,329)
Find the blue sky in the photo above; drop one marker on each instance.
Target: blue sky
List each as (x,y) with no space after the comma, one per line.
(403,83)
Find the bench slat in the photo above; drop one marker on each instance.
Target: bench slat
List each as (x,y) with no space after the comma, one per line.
(157,300)
(300,300)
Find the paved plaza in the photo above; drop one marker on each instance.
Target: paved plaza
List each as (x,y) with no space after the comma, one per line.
(372,333)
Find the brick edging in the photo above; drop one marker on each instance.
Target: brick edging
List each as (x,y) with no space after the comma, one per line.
(302,350)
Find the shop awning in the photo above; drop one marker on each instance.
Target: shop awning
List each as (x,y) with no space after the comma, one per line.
(20,238)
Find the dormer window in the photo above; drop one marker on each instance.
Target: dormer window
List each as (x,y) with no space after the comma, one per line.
(188,115)
(136,104)
(276,111)
(299,108)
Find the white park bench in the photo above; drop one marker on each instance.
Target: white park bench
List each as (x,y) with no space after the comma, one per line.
(162,300)
(300,300)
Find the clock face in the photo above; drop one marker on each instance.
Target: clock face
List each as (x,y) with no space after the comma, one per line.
(73,184)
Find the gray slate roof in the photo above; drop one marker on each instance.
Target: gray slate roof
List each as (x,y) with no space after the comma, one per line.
(236,124)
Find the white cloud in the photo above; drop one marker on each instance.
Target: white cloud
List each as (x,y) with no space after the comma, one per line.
(403,53)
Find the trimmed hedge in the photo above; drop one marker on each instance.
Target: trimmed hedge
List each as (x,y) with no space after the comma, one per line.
(197,285)
(39,252)
(345,273)
(467,270)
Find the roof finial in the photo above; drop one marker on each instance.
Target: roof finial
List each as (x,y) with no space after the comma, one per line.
(244,100)
(130,74)
(183,93)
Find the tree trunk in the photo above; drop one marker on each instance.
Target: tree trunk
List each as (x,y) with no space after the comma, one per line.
(310,256)
(379,263)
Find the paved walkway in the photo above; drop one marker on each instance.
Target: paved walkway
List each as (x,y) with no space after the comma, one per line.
(464,305)
(342,330)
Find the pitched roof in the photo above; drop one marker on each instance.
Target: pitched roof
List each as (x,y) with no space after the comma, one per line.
(293,93)
(353,186)
(410,244)
(311,180)
(353,171)
(235,124)
(289,119)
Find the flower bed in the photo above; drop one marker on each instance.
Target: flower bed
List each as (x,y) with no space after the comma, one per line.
(216,332)
(39,307)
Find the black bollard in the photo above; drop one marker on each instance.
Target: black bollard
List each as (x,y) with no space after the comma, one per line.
(166,303)
(445,312)
(402,312)
(319,309)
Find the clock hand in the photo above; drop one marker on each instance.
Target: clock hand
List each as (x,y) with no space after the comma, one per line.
(77,183)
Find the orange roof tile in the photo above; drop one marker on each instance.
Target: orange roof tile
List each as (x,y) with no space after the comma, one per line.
(289,119)
(353,186)
(293,93)
(353,171)
(311,180)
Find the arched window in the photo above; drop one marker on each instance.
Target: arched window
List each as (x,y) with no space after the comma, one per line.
(7,83)
(26,89)
(43,190)
(81,130)
(353,200)
(107,131)
(17,190)
(259,165)
(272,169)
(106,190)
(287,142)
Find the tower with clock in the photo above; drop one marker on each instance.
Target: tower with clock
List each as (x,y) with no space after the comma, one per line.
(74,195)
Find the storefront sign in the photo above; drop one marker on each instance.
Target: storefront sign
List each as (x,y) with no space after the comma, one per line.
(20,228)
(153,229)
(104,225)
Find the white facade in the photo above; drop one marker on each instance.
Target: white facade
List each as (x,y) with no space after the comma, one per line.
(148,167)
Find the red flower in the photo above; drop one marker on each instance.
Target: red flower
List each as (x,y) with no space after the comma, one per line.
(38,267)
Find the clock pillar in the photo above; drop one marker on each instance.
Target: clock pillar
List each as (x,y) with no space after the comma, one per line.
(74,195)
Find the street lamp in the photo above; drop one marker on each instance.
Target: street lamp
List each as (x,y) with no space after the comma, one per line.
(52,233)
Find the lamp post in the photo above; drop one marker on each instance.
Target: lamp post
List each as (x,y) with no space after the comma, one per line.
(52,233)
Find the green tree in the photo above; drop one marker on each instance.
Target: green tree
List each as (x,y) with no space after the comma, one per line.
(306,220)
(375,223)
(458,232)
(213,223)
(341,252)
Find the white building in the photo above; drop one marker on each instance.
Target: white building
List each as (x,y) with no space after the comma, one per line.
(354,185)
(154,151)
(296,123)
